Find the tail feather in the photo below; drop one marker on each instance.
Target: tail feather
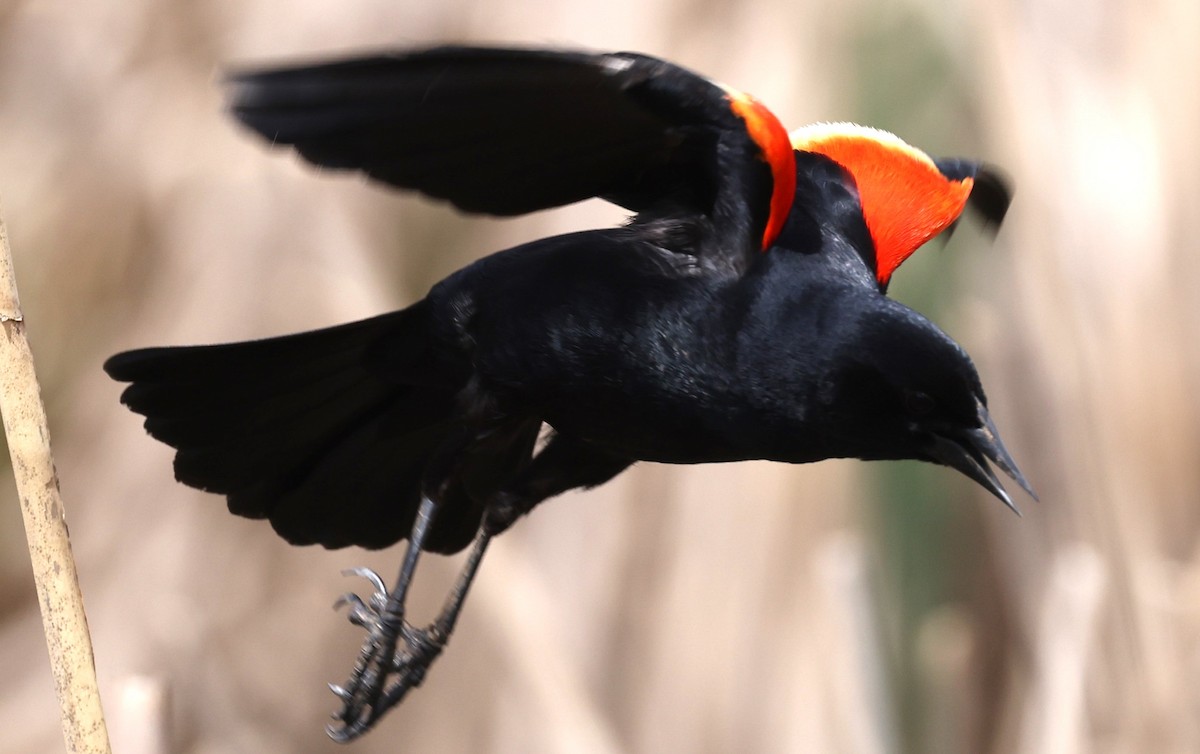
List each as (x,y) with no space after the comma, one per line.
(241,391)
(193,364)
(363,489)
(301,421)
(325,433)
(224,458)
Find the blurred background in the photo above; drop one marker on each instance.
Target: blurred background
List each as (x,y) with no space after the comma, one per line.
(838,607)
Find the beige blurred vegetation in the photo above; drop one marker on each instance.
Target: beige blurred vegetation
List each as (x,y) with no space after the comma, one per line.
(753,607)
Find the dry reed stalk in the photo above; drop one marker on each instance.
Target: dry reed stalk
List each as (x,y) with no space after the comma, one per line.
(61,602)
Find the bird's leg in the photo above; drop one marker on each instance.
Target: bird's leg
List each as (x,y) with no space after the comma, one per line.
(383,676)
(384,671)
(442,627)
(383,617)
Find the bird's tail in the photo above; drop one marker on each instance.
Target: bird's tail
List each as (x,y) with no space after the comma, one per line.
(325,433)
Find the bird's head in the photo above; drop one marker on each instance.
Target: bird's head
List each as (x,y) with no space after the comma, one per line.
(902,389)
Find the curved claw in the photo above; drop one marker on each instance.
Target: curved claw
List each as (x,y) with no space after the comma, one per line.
(366,613)
(369,575)
(348,732)
(360,712)
(395,656)
(340,692)
(348,598)
(360,613)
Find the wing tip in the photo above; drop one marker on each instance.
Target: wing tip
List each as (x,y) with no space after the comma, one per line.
(992,192)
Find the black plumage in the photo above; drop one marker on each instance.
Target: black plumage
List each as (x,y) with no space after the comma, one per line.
(739,315)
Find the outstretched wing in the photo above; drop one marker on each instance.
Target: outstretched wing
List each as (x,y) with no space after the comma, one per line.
(510,131)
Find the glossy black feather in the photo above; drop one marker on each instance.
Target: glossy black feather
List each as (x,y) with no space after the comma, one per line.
(991,194)
(334,435)
(632,343)
(677,338)
(510,131)
(290,428)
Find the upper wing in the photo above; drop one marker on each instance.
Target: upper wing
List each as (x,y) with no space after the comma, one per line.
(991,192)
(510,131)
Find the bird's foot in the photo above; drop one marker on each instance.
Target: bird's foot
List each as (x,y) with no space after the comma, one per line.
(394,659)
(395,655)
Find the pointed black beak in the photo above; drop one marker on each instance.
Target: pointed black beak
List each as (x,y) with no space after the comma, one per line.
(970,451)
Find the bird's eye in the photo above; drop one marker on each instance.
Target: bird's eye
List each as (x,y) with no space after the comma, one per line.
(918,404)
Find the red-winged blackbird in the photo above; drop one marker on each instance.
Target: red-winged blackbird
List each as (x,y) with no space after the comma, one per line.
(739,315)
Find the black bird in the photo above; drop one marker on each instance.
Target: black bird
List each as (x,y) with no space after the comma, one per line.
(739,315)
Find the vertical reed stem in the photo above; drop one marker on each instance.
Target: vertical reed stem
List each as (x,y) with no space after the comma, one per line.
(59,597)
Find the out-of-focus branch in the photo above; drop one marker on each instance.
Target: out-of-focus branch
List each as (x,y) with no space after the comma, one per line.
(28,436)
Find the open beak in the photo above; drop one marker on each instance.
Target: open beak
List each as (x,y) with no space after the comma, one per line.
(970,452)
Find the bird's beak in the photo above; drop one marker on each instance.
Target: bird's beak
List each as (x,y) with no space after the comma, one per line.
(970,451)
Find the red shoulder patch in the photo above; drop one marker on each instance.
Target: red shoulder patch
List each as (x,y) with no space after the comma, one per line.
(775,144)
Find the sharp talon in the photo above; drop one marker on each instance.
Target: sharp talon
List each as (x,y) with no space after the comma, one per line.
(359,613)
(337,733)
(369,575)
(367,613)
(349,598)
(395,656)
